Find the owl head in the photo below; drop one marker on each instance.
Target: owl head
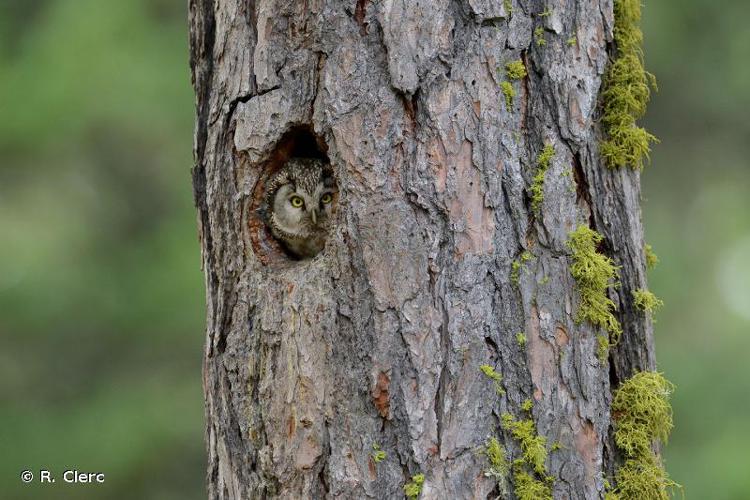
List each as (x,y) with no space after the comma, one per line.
(299,202)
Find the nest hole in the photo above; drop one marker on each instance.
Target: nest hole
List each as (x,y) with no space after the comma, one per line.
(297,142)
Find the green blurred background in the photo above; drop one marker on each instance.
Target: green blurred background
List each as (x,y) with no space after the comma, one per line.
(101,295)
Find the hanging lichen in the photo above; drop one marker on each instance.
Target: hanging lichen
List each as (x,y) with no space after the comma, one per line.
(533,455)
(651,258)
(515,70)
(413,488)
(528,488)
(378,455)
(646,301)
(509,92)
(496,378)
(627,88)
(543,162)
(517,266)
(594,274)
(498,467)
(642,414)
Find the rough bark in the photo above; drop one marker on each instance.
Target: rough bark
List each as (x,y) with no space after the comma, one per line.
(379,338)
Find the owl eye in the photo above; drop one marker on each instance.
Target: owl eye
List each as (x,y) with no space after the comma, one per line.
(326,198)
(297,202)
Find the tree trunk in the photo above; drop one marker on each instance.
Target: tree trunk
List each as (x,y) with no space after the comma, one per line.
(378,340)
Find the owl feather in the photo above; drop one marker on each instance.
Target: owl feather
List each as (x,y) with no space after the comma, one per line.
(298,205)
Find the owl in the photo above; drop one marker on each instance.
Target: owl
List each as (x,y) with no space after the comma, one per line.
(298,205)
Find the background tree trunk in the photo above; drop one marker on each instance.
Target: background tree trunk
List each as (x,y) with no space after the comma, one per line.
(379,338)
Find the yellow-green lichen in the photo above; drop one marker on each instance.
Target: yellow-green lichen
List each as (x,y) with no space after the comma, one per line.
(556,446)
(572,41)
(642,414)
(517,265)
(646,301)
(534,454)
(527,405)
(627,87)
(498,467)
(546,12)
(413,488)
(529,488)
(521,339)
(515,70)
(543,162)
(533,446)
(509,92)
(651,258)
(539,36)
(643,479)
(496,378)
(508,6)
(594,274)
(609,494)
(378,455)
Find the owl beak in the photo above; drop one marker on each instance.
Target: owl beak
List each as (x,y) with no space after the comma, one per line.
(314,215)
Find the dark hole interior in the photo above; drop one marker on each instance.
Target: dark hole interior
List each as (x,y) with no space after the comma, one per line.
(303,143)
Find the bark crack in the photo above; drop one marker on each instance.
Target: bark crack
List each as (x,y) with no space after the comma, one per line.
(583,192)
(360,12)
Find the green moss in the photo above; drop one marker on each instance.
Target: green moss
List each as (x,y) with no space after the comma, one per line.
(572,41)
(627,87)
(642,414)
(378,455)
(529,488)
(543,162)
(539,36)
(515,70)
(594,274)
(651,258)
(495,377)
(498,467)
(521,339)
(646,301)
(517,265)
(546,12)
(556,446)
(413,488)
(508,6)
(509,92)
(533,446)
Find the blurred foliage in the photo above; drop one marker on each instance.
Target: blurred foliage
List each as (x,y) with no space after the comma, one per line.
(696,211)
(101,301)
(100,284)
